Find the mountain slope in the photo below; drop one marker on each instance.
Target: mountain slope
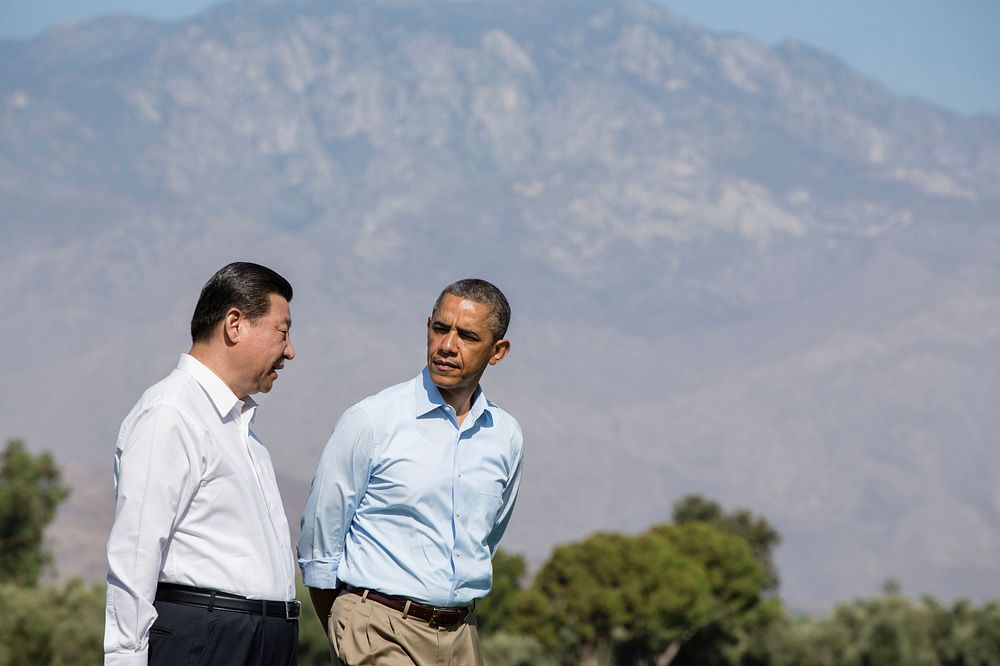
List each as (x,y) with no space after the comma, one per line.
(735,269)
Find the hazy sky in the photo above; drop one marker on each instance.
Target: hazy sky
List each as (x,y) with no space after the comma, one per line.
(945,51)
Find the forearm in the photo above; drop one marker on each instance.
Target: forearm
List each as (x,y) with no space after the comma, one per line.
(322,601)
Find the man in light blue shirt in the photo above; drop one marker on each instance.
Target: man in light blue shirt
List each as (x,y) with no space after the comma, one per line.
(412,494)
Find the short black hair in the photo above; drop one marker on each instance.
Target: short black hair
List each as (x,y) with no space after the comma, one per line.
(242,285)
(481,291)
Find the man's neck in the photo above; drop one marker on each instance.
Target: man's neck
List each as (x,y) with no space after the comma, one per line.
(217,364)
(460,400)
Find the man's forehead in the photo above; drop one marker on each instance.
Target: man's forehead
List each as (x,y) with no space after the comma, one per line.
(462,304)
(463,308)
(281,308)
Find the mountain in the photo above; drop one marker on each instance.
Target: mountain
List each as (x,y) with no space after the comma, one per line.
(736,269)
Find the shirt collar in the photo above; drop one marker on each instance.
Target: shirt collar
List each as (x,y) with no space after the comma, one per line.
(222,397)
(429,398)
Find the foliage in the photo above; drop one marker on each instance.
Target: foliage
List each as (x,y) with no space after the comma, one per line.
(890,630)
(759,534)
(964,635)
(51,626)
(638,595)
(736,583)
(495,612)
(694,592)
(887,630)
(512,649)
(30,490)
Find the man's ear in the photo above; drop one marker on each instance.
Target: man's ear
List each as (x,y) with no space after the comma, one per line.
(500,349)
(231,325)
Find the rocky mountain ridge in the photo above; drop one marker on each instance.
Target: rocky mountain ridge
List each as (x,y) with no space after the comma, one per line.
(736,269)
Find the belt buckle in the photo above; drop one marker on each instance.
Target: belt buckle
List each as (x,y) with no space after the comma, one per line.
(293,609)
(435,622)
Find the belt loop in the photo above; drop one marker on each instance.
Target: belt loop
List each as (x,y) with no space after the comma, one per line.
(364,596)
(211,602)
(263,608)
(406,608)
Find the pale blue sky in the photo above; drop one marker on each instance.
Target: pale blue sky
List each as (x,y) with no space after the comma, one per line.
(944,51)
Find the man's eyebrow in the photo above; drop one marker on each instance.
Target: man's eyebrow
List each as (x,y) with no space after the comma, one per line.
(461,331)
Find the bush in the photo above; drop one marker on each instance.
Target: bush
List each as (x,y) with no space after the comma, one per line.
(52,626)
(508,649)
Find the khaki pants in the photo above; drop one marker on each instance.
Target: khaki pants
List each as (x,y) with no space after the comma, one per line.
(366,633)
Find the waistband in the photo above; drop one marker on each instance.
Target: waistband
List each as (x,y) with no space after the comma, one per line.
(447,617)
(215,600)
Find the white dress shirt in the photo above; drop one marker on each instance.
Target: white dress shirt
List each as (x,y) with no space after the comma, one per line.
(196,503)
(409,503)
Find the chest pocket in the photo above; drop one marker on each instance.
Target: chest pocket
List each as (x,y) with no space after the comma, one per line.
(488,499)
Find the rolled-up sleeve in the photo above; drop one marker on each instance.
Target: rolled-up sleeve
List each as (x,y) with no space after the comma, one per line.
(340,482)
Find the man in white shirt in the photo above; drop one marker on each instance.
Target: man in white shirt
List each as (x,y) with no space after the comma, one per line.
(200,567)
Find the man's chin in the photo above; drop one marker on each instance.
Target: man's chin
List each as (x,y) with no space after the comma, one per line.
(444,381)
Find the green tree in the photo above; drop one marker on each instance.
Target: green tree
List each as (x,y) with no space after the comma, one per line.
(504,648)
(736,581)
(31,489)
(803,642)
(889,630)
(637,596)
(964,635)
(495,612)
(51,626)
(762,537)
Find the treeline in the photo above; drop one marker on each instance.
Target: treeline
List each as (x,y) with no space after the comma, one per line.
(699,590)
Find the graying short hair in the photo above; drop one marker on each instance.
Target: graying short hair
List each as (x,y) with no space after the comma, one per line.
(481,291)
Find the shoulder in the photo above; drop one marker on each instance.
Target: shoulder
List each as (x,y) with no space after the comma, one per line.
(174,398)
(506,424)
(375,414)
(390,403)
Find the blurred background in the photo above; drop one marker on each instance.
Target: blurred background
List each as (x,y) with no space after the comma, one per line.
(751,249)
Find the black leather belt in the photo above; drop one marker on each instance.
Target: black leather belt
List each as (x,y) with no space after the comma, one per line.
(214,600)
(436,616)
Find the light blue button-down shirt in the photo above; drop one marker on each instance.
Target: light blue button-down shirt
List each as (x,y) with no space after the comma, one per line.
(408,503)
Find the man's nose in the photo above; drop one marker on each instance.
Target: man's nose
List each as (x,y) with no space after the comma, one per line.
(447,344)
(289,351)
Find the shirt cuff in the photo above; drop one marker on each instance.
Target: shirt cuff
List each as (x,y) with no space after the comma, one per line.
(126,658)
(319,574)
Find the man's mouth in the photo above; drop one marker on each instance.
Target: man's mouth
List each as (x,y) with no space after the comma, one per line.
(445,365)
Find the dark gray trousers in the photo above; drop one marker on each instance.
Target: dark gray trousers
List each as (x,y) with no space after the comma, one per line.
(194,636)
